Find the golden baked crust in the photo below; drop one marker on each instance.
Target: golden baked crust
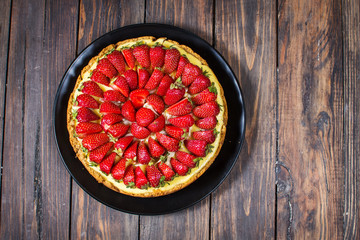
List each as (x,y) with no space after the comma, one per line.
(178,182)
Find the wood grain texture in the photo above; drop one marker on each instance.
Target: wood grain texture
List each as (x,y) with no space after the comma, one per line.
(310,171)
(243,206)
(90,218)
(351,63)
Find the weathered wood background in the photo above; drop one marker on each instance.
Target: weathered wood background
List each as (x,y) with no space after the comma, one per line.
(298,63)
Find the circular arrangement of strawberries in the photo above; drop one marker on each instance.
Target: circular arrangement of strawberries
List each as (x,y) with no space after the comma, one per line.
(141,103)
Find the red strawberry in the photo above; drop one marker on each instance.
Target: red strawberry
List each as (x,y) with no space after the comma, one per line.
(200,83)
(185,158)
(197,147)
(174,132)
(158,124)
(91,88)
(171,144)
(123,142)
(182,63)
(110,107)
(128,111)
(117,59)
(118,171)
(118,129)
(84,114)
(106,67)
(121,85)
(138,97)
(173,95)
(204,97)
(140,178)
(142,55)
(156,150)
(138,131)
(154,80)
(185,121)
(164,85)
(144,117)
(131,78)
(129,57)
(166,171)
(144,76)
(93,141)
(181,108)
(207,135)
(129,176)
(114,96)
(156,102)
(189,74)
(143,155)
(99,153)
(85,128)
(107,163)
(172,57)
(206,123)
(207,110)
(85,100)
(179,167)
(99,77)
(157,56)
(130,153)
(153,175)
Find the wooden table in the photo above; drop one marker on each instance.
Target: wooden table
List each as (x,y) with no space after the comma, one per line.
(298,63)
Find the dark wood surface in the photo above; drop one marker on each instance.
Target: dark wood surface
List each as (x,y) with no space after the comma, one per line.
(298,64)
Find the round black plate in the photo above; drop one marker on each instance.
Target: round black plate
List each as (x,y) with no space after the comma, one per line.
(203,186)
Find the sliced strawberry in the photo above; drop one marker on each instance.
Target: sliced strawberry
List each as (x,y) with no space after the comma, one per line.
(181,108)
(93,141)
(197,147)
(164,85)
(110,107)
(118,171)
(207,110)
(143,155)
(114,96)
(144,76)
(140,178)
(154,80)
(172,57)
(144,117)
(189,74)
(205,97)
(185,158)
(182,63)
(85,100)
(138,97)
(158,124)
(174,94)
(206,123)
(129,176)
(175,132)
(156,102)
(156,150)
(130,153)
(128,111)
(185,121)
(121,85)
(171,144)
(131,78)
(99,153)
(85,128)
(106,67)
(84,114)
(200,83)
(91,88)
(139,131)
(107,163)
(166,171)
(179,167)
(118,129)
(129,57)
(207,135)
(99,77)
(142,55)
(117,59)
(153,175)
(124,142)
(157,56)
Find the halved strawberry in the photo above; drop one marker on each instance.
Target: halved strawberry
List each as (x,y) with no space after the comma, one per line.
(114,96)
(208,95)
(181,108)
(164,85)
(179,167)
(99,153)
(130,153)
(91,88)
(140,178)
(90,142)
(117,59)
(107,163)
(85,128)
(207,110)
(124,142)
(110,107)
(139,131)
(157,125)
(84,114)
(143,155)
(206,123)
(166,171)
(118,171)
(200,83)
(129,176)
(128,111)
(142,55)
(174,94)
(99,77)
(172,57)
(129,57)
(153,175)
(131,78)
(171,144)
(197,147)
(154,80)
(138,97)
(189,74)
(175,132)
(118,129)
(121,85)
(144,76)
(156,102)
(207,135)
(85,100)
(106,67)
(182,63)
(144,117)
(185,158)
(185,121)
(157,56)
(156,150)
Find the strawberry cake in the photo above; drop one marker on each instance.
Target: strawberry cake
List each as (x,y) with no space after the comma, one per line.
(147,116)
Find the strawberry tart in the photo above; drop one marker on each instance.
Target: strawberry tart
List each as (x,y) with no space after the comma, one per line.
(147,116)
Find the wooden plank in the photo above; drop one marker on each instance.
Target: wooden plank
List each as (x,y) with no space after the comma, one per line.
(310,172)
(89,218)
(192,223)
(351,58)
(35,191)
(243,206)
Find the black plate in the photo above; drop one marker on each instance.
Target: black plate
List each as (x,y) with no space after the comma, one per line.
(203,186)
